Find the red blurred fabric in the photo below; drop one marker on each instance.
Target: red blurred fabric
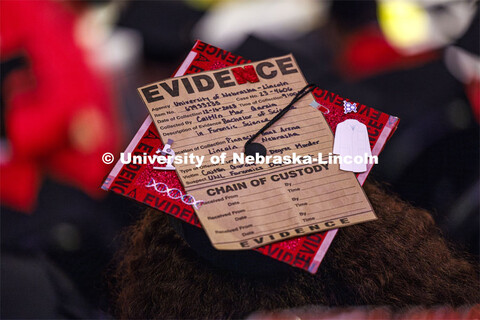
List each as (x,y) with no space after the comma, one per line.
(473,94)
(366,53)
(373,313)
(64,120)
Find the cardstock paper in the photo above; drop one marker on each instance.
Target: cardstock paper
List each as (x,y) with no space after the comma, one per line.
(250,206)
(351,140)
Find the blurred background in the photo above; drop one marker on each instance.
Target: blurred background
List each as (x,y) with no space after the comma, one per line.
(69,73)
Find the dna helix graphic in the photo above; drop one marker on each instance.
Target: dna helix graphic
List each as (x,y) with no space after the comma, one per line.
(175,193)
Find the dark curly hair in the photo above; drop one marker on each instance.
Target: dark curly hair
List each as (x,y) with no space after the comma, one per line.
(399,260)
